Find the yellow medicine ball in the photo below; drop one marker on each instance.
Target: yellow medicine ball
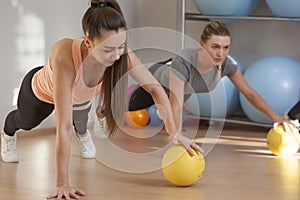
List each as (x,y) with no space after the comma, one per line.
(180,168)
(283,143)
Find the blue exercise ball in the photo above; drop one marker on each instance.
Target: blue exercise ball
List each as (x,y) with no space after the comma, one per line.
(276,79)
(226,8)
(284,8)
(221,102)
(154,120)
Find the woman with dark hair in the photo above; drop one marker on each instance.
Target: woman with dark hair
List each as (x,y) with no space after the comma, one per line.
(76,72)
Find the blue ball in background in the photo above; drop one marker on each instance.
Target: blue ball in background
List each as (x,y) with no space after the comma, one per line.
(154,120)
(226,7)
(277,80)
(284,8)
(221,102)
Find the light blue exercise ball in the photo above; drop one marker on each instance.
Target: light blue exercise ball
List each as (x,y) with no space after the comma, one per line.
(277,80)
(226,7)
(154,119)
(284,8)
(221,102)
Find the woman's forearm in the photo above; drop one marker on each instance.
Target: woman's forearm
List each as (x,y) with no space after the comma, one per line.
(166,113)
(260,104)
(176,99)
(62,156)
(177,107)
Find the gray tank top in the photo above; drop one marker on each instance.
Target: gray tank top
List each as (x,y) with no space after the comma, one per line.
(184,66)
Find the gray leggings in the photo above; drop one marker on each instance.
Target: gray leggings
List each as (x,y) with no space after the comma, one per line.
(31,111)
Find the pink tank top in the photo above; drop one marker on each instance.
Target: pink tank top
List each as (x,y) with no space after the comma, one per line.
(42,81)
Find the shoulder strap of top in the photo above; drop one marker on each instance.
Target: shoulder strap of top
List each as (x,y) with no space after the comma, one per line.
(76,54)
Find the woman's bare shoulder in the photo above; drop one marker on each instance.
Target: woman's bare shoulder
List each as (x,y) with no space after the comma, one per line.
(61,52)
(62,48)
(63,43)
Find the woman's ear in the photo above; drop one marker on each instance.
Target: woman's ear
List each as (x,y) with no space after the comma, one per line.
(201,43)
(87,42)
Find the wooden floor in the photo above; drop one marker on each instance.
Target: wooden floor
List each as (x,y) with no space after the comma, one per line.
(238,167)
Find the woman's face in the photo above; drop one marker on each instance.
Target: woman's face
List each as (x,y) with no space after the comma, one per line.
(217,47)
(109,47)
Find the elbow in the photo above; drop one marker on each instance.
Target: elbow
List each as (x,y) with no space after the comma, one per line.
(251,97)
(154,89)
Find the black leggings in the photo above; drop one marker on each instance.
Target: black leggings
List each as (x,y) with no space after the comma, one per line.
(31,111)
(294,113)
(140,98)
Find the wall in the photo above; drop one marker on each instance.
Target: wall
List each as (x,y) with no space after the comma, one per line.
(29,28)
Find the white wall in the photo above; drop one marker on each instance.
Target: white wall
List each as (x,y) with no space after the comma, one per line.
(60,19)
(7,53)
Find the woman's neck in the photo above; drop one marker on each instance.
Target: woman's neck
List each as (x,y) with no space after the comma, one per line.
(204,62)
(84,50)
(93,70)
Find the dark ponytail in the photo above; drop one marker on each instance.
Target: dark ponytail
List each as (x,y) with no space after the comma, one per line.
(106,15)
(97,18)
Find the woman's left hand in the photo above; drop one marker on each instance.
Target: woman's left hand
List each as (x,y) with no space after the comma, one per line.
(66,192)
(188,144)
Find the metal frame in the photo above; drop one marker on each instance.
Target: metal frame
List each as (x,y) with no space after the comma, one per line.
(199,16)
(182,16)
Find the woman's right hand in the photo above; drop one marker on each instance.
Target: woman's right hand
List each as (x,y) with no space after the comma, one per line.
(188,144)
(66,192)
(287,125)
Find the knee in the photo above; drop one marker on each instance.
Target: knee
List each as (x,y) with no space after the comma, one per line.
(80,129)
(28,126)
